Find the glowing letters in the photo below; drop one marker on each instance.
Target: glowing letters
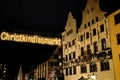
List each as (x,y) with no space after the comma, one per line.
(29,38)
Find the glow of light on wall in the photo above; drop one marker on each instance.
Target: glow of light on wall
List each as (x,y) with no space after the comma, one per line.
(29,38)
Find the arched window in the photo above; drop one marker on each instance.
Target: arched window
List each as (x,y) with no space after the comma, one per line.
(105,65)
(83,68)
(93,67)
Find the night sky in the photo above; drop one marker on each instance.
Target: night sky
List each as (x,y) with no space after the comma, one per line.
(39,16)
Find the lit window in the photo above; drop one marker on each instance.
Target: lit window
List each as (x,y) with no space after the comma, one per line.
(117,18)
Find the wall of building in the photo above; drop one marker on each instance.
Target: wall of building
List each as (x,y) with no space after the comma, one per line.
(100,75)
(92,19)
(114,30)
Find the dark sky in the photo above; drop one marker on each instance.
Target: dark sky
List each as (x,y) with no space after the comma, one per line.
(41,16)
(37,15)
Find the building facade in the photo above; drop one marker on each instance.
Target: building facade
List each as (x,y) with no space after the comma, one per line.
(90,58)
(69,48)
(114,28)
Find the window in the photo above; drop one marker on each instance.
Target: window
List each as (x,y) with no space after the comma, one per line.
(73,42)
(92,21)
(74,70)
(82,51)
(118,38)
(85,26)
(69,44)
(66,71)
(103,44)
(117,18)
(70,57)
(66,58)
(83,68)
(94,32)
(69,32)
(74,55)
(88,23)
(88,49)
(87,35)
(104,65)
(96,19)
(102,28)
(93,67)
(70,71)
(95,47)
(81,38)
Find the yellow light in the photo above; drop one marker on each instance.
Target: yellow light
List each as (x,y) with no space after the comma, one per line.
(4,71)
(93,77)
(29,38)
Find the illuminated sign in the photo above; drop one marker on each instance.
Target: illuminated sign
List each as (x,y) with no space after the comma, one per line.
(29,38)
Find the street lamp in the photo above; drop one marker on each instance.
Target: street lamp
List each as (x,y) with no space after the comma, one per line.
(92,77)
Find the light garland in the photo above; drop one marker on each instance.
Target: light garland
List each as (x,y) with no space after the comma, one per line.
(29,38)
